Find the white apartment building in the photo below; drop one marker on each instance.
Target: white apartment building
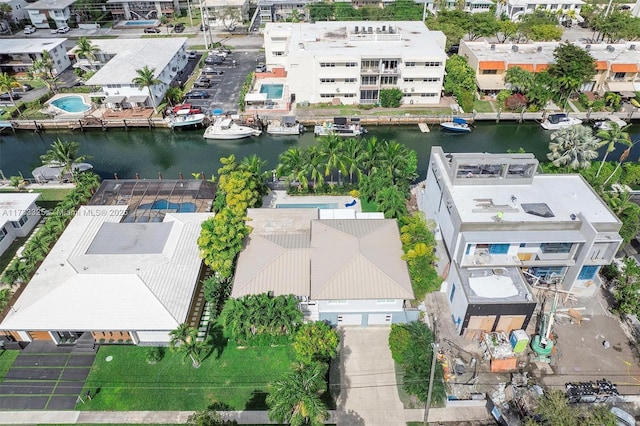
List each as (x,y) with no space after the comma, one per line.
(18,10)
(514,9)
(17,54)
(57,10)
(18,216)
(350,62)
(505,228)
(136,9)
(118,60)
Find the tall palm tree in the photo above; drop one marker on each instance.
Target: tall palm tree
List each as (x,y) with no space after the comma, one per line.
(42,69)
(64,153)
(614,135)
(292,167)
(295,398)
(623,157)
(353,157)
(7,84)
(88,50)
(146,78)
(254,164)
(331,150)
(185,339)
(573,147)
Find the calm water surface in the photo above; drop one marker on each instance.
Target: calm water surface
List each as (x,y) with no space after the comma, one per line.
(170,153)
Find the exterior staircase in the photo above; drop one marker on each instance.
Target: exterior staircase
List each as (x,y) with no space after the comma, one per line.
(85,344)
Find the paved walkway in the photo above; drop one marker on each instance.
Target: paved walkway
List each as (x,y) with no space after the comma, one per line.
(368,393)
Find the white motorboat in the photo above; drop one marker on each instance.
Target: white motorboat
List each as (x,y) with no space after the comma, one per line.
(559,121)
(340,127)
(287,126)
(458,125)
(185,118)
(226,129)
(606,124)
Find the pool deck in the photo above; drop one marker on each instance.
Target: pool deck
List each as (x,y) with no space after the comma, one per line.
(57,113)
(274,198)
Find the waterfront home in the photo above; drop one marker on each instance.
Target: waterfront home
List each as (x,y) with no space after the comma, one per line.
(18,11)
(18,54)
(125,270)
(617,65)
(506,228)
(565,9)
(346,271)
(225,13)
(18,216)
(118,60)
(281,10)
(134,10)
(351,62)
(43,11)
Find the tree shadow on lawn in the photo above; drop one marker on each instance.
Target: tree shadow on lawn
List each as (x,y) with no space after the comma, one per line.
(218,341)
(258,401)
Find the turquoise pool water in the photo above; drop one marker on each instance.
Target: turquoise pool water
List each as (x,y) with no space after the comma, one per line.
(273,91)
(139,23)
(167,205)
(308,206)
(72,104)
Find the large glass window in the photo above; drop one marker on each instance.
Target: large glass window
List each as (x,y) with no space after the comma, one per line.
(588,272)
(498,248)
(549,248)
(20,222)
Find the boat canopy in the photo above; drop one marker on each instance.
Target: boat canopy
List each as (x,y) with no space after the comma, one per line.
(459,120)
(289,119)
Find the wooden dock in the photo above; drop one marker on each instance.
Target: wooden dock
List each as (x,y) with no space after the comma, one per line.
(423,127)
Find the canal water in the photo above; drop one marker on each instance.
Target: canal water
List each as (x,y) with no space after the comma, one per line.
(169,153)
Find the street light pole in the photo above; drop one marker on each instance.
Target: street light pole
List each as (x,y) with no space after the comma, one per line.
(190,15)
(204,26)
(434,349)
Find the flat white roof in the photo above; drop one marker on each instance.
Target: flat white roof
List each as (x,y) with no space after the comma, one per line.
(563,194)
(544,2)
(222,3)
(133,54)
(410,39)
(49,4)
(15,46)
(13,206)
(138,289)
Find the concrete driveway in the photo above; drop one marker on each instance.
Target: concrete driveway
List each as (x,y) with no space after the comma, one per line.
(368,394)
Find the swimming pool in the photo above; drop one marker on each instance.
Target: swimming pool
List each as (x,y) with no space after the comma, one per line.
(308,206)
(71,104)
(139,23)
(273,91)
(167,205)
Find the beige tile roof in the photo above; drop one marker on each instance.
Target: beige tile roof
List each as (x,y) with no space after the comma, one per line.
(358,259)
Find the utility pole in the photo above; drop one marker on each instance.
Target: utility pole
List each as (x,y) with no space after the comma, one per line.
(204,26)
(434,347)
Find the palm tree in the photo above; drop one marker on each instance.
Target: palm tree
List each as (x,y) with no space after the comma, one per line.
(7,84)
(353,157)
(331,150)
(254,164)
(42,69)
(173,95)
(146,78)
(88,50)
(17,182)
(614,135)
(65,154)
(295,399)
(573,147)
(185,339)
(623,157)
(292,166)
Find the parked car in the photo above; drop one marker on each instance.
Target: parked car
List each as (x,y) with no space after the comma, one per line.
(261,68)
(192,55)
(26,87)
(63,30)
(197,94)
(213,60)
(222,49)
(203,82)
(7,97)
(29,29)
(152,30)
(178,28)
(216,52)
(212,70)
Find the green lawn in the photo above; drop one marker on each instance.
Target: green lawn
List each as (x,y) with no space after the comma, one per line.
(237,379)
(6,361)
(46,194)
(482,106)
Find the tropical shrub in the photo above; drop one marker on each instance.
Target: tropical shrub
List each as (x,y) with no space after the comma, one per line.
(390,98)
(418,245)
(315,341)
(516,102)
(399,342)
(154,354)
(216,292)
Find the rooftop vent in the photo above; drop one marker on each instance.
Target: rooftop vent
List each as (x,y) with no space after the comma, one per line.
(370,30)
(356,29)
(588,47)
(493,46)
(539,49)
(377,30)
(391,30)
(514,48)
(384,28)
(610,48)
(301,46)
(632,47)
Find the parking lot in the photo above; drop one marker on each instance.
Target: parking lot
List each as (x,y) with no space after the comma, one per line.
(225,90)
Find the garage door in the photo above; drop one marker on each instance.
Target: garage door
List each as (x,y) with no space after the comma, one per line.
(350,319)
(379,319)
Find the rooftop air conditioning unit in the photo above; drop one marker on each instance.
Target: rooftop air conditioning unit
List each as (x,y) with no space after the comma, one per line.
(356,29)
(539,49)
(588,47)
(610,48)
(632,47)
(514,48)
(493,46)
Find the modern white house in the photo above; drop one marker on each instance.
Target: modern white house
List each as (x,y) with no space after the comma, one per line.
(617,65)
(125,271)
(506,228)
(119,59)
(344,271)
(351,62)
(18,54)
(18,216)
(565,9)
(142,10)
(59,11)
